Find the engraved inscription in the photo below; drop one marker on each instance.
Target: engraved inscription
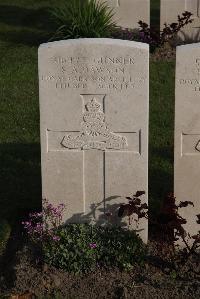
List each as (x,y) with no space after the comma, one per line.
(95,132)
(193,82)
(104,73)
(197,64)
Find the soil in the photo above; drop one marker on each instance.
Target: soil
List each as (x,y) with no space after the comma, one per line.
(164,53)
(22,273)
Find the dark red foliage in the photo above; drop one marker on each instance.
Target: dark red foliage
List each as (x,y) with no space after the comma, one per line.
(134,206)
(196,237)
(139,193)
(184,204)
(157,38)
(169,219)
(171,223)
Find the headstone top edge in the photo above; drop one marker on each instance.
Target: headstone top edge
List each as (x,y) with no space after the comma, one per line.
(188,46)
(86,41)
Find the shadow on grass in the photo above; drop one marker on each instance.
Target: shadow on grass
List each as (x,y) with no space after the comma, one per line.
(160,184)
(166,153)
(20,193)
(25,37)
(26,17)
(27,26)
(160,176)
(20,180)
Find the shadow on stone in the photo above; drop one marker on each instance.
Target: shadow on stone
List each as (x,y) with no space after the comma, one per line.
(103,218)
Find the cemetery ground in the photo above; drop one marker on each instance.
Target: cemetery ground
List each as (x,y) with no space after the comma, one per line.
(23,26)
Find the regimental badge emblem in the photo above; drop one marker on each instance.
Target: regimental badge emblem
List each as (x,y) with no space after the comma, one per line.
(95,132)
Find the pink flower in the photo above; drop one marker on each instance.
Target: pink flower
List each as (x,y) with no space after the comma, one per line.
(36,215)
(56,238)
(41,225)
(93,245)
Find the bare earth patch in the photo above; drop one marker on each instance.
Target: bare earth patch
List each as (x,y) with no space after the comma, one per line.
(152,280)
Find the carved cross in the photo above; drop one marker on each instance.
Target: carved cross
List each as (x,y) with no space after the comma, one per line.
(197,147)
(190,144)
(95,136)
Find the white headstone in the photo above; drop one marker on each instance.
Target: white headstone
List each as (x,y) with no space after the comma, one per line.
(170,9)
(187,132)
(129,12)
(94,125)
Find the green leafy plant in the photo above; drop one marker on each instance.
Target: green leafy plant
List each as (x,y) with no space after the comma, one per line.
(83,247)
(83,18)
(5,231)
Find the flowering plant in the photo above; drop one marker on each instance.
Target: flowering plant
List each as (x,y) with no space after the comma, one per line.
(42,226)
(81,247)
(84,247)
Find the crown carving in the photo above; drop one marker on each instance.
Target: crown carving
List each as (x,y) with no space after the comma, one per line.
(93,106)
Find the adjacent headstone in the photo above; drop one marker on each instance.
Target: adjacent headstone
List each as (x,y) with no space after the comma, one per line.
(94,126)
(129,12)
(187,132)
(170,9)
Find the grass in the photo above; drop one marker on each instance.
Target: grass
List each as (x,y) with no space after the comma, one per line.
(161,128)
(23,26)
(155,13)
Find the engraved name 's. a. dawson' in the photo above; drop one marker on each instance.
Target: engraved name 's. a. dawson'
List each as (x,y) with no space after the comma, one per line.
(95,132)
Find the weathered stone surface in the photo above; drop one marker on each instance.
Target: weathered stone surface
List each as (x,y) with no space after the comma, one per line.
(129,12)
(187,132)
(94,125)
(170,9)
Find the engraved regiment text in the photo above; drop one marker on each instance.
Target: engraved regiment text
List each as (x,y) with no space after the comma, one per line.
(108,73)
(193,82)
